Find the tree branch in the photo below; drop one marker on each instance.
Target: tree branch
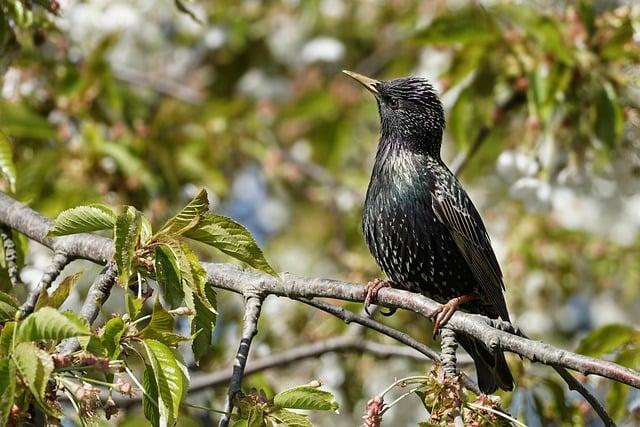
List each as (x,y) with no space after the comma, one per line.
(10,255)
(230,277)
(53,270)
(98,293)
(253,304)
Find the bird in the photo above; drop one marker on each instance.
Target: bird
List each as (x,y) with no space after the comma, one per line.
(420,224)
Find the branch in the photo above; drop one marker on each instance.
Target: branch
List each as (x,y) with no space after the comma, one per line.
(98,293)
(53,270)
(10,255)
(233,278)
(253,304)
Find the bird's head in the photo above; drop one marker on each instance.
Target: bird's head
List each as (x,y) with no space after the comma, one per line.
(410,111)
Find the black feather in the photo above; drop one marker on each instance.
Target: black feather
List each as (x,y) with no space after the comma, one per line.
(420,224)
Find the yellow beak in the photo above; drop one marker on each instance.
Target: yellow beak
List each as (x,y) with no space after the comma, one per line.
(368,83)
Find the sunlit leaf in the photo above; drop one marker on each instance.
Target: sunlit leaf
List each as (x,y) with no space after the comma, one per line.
(160,327)
(188,217)
(8,387)
(231,238)
(168,274)
(113,330)
(290,419)
(150,398)
(6,338)
(169,379)
(82,219)
(8,307)
(127,231)
(49,324)
(35,367)
(60,294)
(306,397)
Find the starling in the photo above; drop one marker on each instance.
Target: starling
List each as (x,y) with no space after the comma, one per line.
(420,224)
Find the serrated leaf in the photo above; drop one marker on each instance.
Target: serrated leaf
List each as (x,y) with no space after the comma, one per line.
(233,239)
(203,325)
(7,168)
(606,339)
(150,397)
(168,274)
(82,219)
(305,397)
(160,327)
(8,307)
(255,417)
(188,217)
(127,231)
(8,387)
(110,339)
(134,305)
(169,379)
(290,419)
(49,324)
(35,367)
(59,295)
(6,338)
(609,120)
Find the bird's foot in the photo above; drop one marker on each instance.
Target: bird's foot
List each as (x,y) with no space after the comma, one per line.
(372,294)
(443,314)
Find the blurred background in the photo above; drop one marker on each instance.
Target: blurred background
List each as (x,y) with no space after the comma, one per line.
(144,102)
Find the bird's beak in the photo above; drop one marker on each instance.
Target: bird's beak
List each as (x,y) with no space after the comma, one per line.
(368,83)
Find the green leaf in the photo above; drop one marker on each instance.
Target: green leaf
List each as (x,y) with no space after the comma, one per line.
(606,339)
(290,419)
(256,417)
(305,397)
(609,121)
(35,367)
(6,338)
(8,307)
(231,238)
(59,295)
(240,423)
(160,327)
(150,397)
(7,168)
(188,217)
(168,274)
(49,324)
(20,121)
(134,305)
(8,387)
(203,324)
(83,219)
(128,226)
(169,378)
(113,330)
(472,24)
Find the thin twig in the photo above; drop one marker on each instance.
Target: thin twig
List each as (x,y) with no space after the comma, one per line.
(253,304)
(10,255)
(53,270)
(349,317)
(98,293)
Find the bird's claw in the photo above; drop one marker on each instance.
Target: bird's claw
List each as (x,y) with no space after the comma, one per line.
(372,293)
(443,314)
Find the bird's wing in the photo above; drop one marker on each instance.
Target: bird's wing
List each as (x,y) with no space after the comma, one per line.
(457,212)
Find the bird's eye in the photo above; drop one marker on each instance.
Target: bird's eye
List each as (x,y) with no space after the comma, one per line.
(393,103)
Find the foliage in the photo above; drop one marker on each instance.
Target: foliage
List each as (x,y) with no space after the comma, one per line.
(114,125)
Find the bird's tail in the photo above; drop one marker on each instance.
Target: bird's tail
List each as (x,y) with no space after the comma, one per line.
(491,368)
